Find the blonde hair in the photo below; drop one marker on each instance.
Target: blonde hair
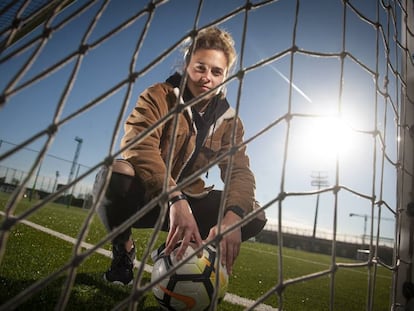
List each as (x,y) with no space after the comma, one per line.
(213,38)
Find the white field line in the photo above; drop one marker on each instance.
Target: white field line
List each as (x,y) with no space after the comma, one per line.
(231,298)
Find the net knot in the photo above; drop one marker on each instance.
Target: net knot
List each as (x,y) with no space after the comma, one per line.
(376,133)
(193,33)
(108,161)
(83,49)
(8,223)
(180,108)
(279,289)
(150,7)
(47,32)
(282,196)
(16,23)
(132,77)
(77,260)
(52,129)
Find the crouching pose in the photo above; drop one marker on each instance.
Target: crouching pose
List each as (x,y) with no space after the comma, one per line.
(204,132)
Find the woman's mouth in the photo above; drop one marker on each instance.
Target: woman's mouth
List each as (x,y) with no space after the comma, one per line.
(204,88)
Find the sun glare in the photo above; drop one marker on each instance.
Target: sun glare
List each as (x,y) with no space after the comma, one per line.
(327,138)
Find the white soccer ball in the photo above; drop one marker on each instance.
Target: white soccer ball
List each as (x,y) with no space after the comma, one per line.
(191,286)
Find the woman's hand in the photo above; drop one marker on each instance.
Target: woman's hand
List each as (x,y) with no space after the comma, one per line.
(182,227)
(230,244)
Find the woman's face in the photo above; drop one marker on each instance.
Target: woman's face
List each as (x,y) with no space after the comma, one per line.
(207,68)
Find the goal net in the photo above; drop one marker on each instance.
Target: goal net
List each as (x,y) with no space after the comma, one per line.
(325,91)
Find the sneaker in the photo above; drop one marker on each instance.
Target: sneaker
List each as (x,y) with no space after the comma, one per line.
(121,270)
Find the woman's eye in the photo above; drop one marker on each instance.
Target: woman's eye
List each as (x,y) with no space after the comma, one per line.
(200,68)
(217,73)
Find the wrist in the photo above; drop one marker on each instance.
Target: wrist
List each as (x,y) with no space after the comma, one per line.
(176,198)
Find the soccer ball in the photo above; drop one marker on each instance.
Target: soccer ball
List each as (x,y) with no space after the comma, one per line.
(191,286)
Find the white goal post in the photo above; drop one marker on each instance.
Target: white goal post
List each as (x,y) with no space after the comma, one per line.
(405,244)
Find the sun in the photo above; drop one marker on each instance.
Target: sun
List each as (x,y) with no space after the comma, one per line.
(327,139)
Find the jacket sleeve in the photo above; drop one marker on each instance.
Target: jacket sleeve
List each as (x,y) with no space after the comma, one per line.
(242,184)
(145,154)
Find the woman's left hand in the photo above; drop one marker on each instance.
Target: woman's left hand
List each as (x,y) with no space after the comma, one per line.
(230,244)
(183,227)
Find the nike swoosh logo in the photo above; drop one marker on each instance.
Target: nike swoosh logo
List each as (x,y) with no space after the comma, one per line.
(188,301)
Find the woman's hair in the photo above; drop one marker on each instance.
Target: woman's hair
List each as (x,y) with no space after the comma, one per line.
(215,39)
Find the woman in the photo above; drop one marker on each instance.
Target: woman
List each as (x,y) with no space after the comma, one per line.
(204,132)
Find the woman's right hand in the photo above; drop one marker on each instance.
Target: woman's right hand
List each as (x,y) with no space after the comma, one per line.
(183,227)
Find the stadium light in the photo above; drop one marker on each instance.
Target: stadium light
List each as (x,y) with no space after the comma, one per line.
(35,181)
(318,180)
(74,163)
(56,181)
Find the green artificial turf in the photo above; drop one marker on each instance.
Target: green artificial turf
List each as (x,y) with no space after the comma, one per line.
(32,255)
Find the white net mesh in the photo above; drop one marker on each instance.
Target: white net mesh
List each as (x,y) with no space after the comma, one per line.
(323,88)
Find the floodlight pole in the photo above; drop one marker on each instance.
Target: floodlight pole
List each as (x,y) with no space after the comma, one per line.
(56,180)
(319,179)
(74,162)
(35,182)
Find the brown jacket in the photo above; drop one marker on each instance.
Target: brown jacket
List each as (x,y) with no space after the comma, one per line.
(148,156)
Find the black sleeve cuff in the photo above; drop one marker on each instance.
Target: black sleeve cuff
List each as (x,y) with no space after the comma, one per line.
(235,209)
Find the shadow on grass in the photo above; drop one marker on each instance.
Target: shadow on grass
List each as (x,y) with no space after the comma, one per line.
(89,292)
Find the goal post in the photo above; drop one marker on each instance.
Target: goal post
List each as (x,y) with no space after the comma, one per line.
(404,236)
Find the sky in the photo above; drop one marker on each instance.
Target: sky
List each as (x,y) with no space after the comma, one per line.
(313,143)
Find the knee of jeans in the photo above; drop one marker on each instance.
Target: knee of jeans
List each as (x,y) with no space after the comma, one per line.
(121,180)
(123,167)
(119,187)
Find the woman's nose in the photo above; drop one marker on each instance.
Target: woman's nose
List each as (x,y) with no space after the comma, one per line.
(206,77)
